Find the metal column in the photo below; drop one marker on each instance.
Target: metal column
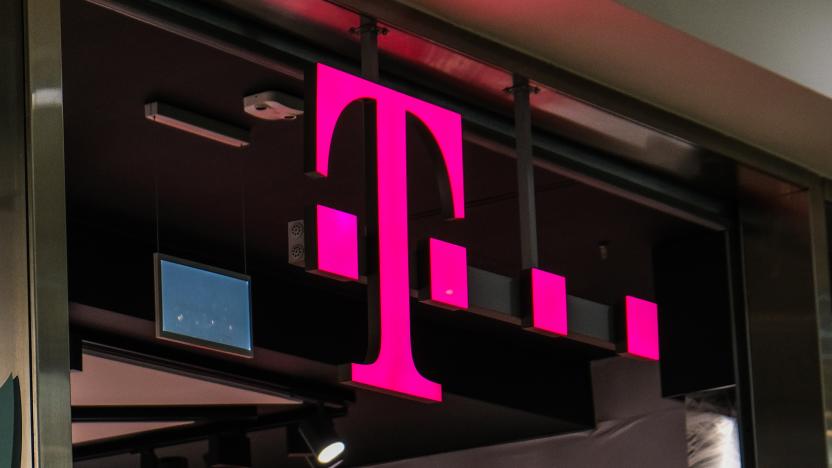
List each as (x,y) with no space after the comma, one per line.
(34,336)
(778,358)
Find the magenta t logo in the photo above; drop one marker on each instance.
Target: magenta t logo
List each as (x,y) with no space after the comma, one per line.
(393,370)
(335,252)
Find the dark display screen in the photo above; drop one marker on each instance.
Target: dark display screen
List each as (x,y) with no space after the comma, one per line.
(203,306)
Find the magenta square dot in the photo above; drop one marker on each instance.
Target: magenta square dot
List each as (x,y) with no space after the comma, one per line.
(337,237)
(549,302)
(642,328)
(448,274)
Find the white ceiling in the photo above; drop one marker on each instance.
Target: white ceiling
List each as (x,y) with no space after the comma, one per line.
(628,51)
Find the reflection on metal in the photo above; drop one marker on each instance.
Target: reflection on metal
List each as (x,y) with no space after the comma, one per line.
(781,309)
(14,333)
(34,339)
(46,209)
(820,216)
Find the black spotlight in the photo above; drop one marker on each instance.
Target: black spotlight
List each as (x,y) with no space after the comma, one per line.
(230,450)
(319,434)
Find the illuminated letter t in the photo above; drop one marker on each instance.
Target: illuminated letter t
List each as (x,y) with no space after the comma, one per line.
(330,92)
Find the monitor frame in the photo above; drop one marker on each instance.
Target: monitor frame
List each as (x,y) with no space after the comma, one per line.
(190,340)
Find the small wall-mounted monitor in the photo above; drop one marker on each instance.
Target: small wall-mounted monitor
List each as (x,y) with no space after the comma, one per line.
(203,306)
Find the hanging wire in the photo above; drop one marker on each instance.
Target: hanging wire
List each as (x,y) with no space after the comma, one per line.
(156,203)
(243,211)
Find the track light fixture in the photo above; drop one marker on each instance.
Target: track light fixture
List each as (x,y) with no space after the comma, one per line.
(319,434)
(196,124)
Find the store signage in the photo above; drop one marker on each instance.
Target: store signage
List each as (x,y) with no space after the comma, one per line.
(335,252)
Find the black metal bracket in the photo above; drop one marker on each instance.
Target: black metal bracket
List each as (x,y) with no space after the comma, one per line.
(524,147)
(522,87)
(368,31)
(369,28)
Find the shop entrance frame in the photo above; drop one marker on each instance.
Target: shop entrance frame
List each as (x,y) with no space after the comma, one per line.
(778,204)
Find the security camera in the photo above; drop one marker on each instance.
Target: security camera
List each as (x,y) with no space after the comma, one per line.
(273,105)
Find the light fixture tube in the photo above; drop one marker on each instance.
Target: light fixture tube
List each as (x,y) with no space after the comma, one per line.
(196,124)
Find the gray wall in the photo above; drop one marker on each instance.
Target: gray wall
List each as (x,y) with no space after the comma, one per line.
(789,38)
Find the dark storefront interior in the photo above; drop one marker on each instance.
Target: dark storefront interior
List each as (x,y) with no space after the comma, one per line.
(135,188)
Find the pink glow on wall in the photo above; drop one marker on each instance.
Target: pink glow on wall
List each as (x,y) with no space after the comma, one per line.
(642,328)
(549,313)
(394,370)
(337,237)
(448,274)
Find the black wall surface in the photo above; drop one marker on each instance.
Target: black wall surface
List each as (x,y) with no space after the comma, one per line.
(693,294)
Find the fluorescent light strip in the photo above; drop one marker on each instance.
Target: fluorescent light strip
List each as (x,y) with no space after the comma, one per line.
(196,124)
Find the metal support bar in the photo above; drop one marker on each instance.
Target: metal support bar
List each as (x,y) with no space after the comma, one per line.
(163,413)
(369,32)
(370,71)
(525,171)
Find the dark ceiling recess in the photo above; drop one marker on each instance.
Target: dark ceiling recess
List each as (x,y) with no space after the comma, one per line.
(135,188)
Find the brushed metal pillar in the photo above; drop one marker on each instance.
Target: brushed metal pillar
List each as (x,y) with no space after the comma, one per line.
(821,216)
(783,298)
(34,331)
